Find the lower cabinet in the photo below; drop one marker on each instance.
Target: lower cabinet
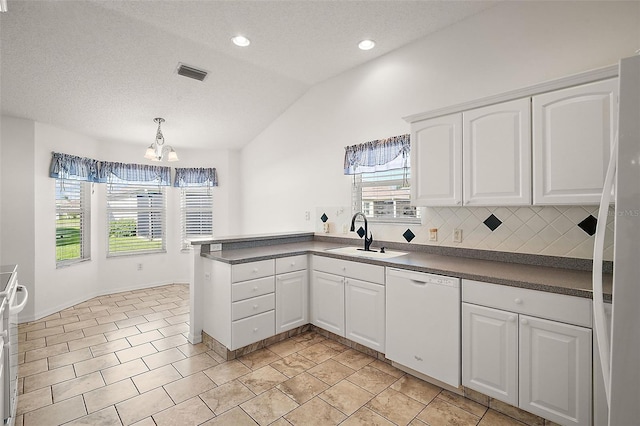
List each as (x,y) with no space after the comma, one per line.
(292,301)
(327,302)
(540,365)
(365,313)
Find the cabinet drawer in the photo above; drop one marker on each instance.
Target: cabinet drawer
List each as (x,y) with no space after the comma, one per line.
(252,329)
(559,307)
(291,264)
(253,306)
(252,270)
(357,270)
(253,288)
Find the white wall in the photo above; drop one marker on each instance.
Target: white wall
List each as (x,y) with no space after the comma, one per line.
(295,165)
(28,218)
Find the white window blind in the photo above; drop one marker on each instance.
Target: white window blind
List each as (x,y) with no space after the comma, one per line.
(196,207)
(73,217)
(385,196)
(136,218)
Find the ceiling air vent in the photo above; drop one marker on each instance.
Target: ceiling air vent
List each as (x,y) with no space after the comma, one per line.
(187,71)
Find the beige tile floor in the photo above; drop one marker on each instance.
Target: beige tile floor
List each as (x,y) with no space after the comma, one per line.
(124,359)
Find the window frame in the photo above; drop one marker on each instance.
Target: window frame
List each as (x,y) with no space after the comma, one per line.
(126,191)
(400,177)
(185,237)
(83,192)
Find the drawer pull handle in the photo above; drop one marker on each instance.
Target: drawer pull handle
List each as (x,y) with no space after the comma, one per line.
(518,301)
(293,263)
(255,270)
(417,358)
(255,330)
(255,289)
(255,306)
(524,321)
(512,318)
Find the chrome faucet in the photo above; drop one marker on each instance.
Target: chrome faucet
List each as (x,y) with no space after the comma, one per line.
(367,240)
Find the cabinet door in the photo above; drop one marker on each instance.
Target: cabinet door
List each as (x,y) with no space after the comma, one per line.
(490,352)
(436,161)
(496,149)
(555,370)
(572,134)
(364,312)
(327,306)
(291,301)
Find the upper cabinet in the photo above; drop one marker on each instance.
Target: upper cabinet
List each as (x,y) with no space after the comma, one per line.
(436,161)
(549,146)
(496,153)
(572,134)
(480,157)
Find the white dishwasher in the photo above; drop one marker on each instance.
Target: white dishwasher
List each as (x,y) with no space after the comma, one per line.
(423,323)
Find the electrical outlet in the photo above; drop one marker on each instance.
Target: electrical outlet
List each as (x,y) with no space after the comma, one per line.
(433,234)
(457,235)
(139,266)
(307,215)
(207,276)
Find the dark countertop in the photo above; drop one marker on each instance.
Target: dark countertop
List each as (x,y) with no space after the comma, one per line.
(554,280)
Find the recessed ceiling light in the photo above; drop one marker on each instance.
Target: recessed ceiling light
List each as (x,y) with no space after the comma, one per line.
(241,41)
(366,44)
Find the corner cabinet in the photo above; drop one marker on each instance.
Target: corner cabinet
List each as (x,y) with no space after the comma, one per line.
(292,293)
(529,349)
(348,299)
(572,134)
(436,161)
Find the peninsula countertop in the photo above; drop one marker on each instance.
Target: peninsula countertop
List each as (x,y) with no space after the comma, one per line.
(544,278)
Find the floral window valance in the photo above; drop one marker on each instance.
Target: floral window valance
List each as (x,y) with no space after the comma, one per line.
(195,176)
(65,166)
(141,174)
(379,155)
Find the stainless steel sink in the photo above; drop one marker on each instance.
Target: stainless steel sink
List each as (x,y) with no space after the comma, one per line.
(359,252)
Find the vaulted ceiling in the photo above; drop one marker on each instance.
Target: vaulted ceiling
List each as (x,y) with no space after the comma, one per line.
(107,68)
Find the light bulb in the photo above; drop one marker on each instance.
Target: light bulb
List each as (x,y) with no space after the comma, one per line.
(366,44)
(241,41)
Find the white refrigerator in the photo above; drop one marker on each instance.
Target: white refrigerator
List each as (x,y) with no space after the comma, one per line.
(619,343)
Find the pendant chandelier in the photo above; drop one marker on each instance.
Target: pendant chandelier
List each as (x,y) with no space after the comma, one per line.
(158,149)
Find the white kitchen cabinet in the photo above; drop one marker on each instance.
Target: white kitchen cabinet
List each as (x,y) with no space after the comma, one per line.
(291,300)
(552,376)
(365,313)
(490,352)
(496,152)
(555,370)
(572,134)
(327,302)
(436,161)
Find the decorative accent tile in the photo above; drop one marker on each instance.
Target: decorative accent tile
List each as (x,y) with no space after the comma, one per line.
(588,225)
(360,232)
(324,217)
(408,235)
(492,222)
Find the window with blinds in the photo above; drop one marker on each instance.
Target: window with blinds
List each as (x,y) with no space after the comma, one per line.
(136,219)
(196,207)
(73,205)
(384,196)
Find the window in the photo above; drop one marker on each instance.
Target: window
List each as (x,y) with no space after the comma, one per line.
(196,207)
(384,196)
(136,218)
(73,205)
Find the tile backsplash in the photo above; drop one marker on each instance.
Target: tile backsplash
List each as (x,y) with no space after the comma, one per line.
(550,230)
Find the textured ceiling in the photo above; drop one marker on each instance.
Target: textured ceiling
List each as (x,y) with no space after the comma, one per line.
(107,68)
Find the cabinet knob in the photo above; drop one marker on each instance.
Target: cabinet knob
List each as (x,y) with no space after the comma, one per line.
(417,358)
(254,289)
(344,268)
(255,270)
(512,318)
(255,330)
(255,307)
(524,321)
(518,301)
(293,263)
